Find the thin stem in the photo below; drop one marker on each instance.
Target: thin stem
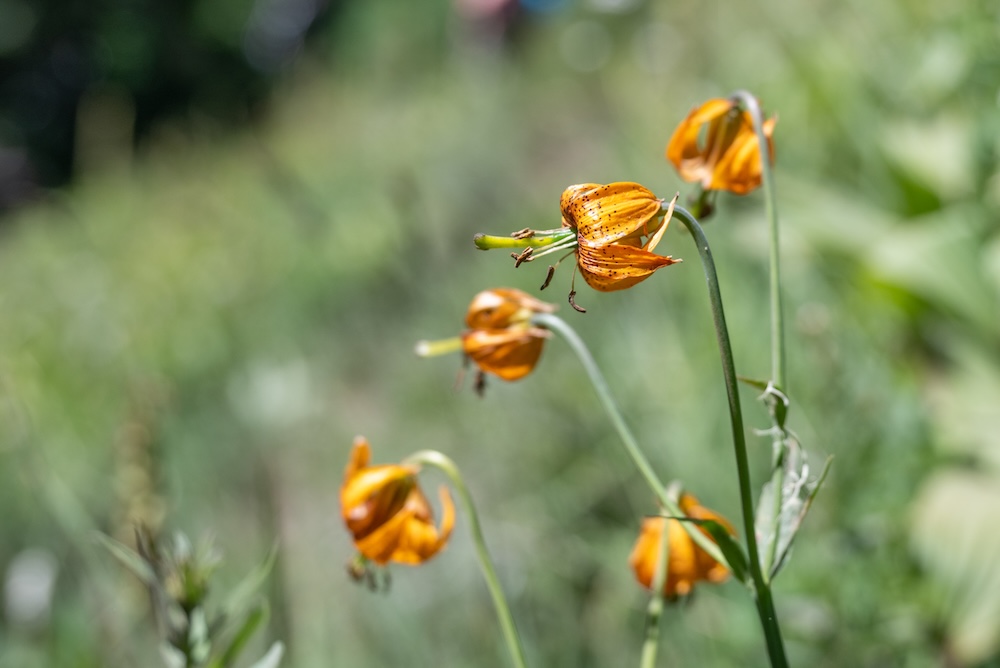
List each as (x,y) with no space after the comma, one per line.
(655,609)
(771,205)
(624,433)
(765,604)
(448,467)
(777,312)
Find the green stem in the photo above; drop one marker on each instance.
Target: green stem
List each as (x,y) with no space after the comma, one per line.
(765,604)
(777,312)
(655,609)
(771,204)
(625,434)
(448,467)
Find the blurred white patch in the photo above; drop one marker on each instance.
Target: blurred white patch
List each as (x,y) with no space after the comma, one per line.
(273,395)
(28,586)
(586,46)
(614,6)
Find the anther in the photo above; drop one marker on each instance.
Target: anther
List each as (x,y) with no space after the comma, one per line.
(526,233)
(548,277)
(572,302)
(524,256)
(480,384)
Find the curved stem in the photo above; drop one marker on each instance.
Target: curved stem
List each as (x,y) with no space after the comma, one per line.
(655,608)
(771,204)
(777,313)
(765,604)
(448,467)
(624,433)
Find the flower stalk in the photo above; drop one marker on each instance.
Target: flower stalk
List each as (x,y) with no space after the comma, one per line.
(655,608)
(628,440)
(448,467)
(761,586)
(778,379)
(771,205)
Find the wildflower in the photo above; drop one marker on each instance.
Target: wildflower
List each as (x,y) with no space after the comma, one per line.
(716,146)
(387,514)
(501,339)
(612,230)
(687,563)
(611,222)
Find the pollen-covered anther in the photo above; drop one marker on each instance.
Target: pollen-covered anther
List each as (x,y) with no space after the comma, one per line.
(523,256)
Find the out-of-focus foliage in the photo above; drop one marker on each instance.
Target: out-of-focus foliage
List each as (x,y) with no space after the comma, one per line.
(72,74)
(195,341)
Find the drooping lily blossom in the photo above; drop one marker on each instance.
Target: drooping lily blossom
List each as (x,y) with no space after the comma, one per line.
(716,146)
(687,563)
(387,514)
(611,222)
(501,339)
(612,230)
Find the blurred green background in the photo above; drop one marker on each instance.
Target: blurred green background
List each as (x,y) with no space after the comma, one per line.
(228,289)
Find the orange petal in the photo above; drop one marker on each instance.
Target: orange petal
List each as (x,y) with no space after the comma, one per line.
(510,354)
(683,149)
(617,267)
(380,544)
(503,307)
(569,194)
(607,213)
(361,454)
(654,240)
(419,541)
(739,170)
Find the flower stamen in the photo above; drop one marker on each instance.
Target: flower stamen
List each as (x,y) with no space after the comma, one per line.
(523,256)
(572,294)
(552,270)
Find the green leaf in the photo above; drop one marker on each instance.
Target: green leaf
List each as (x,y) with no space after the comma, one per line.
(253,621)
(753,382)
(242,594)
(777,530)
(736,559)
(273,656)
(773,397)
(129,559)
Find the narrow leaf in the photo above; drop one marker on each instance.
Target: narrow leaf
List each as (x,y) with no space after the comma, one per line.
(736,559)
(253,621)
(242,594)
(129,559)
(753,382)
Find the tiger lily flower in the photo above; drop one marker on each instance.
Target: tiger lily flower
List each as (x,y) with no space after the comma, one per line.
(612,230)
(716,147)
(687,562)
(387,513)
(500,338)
